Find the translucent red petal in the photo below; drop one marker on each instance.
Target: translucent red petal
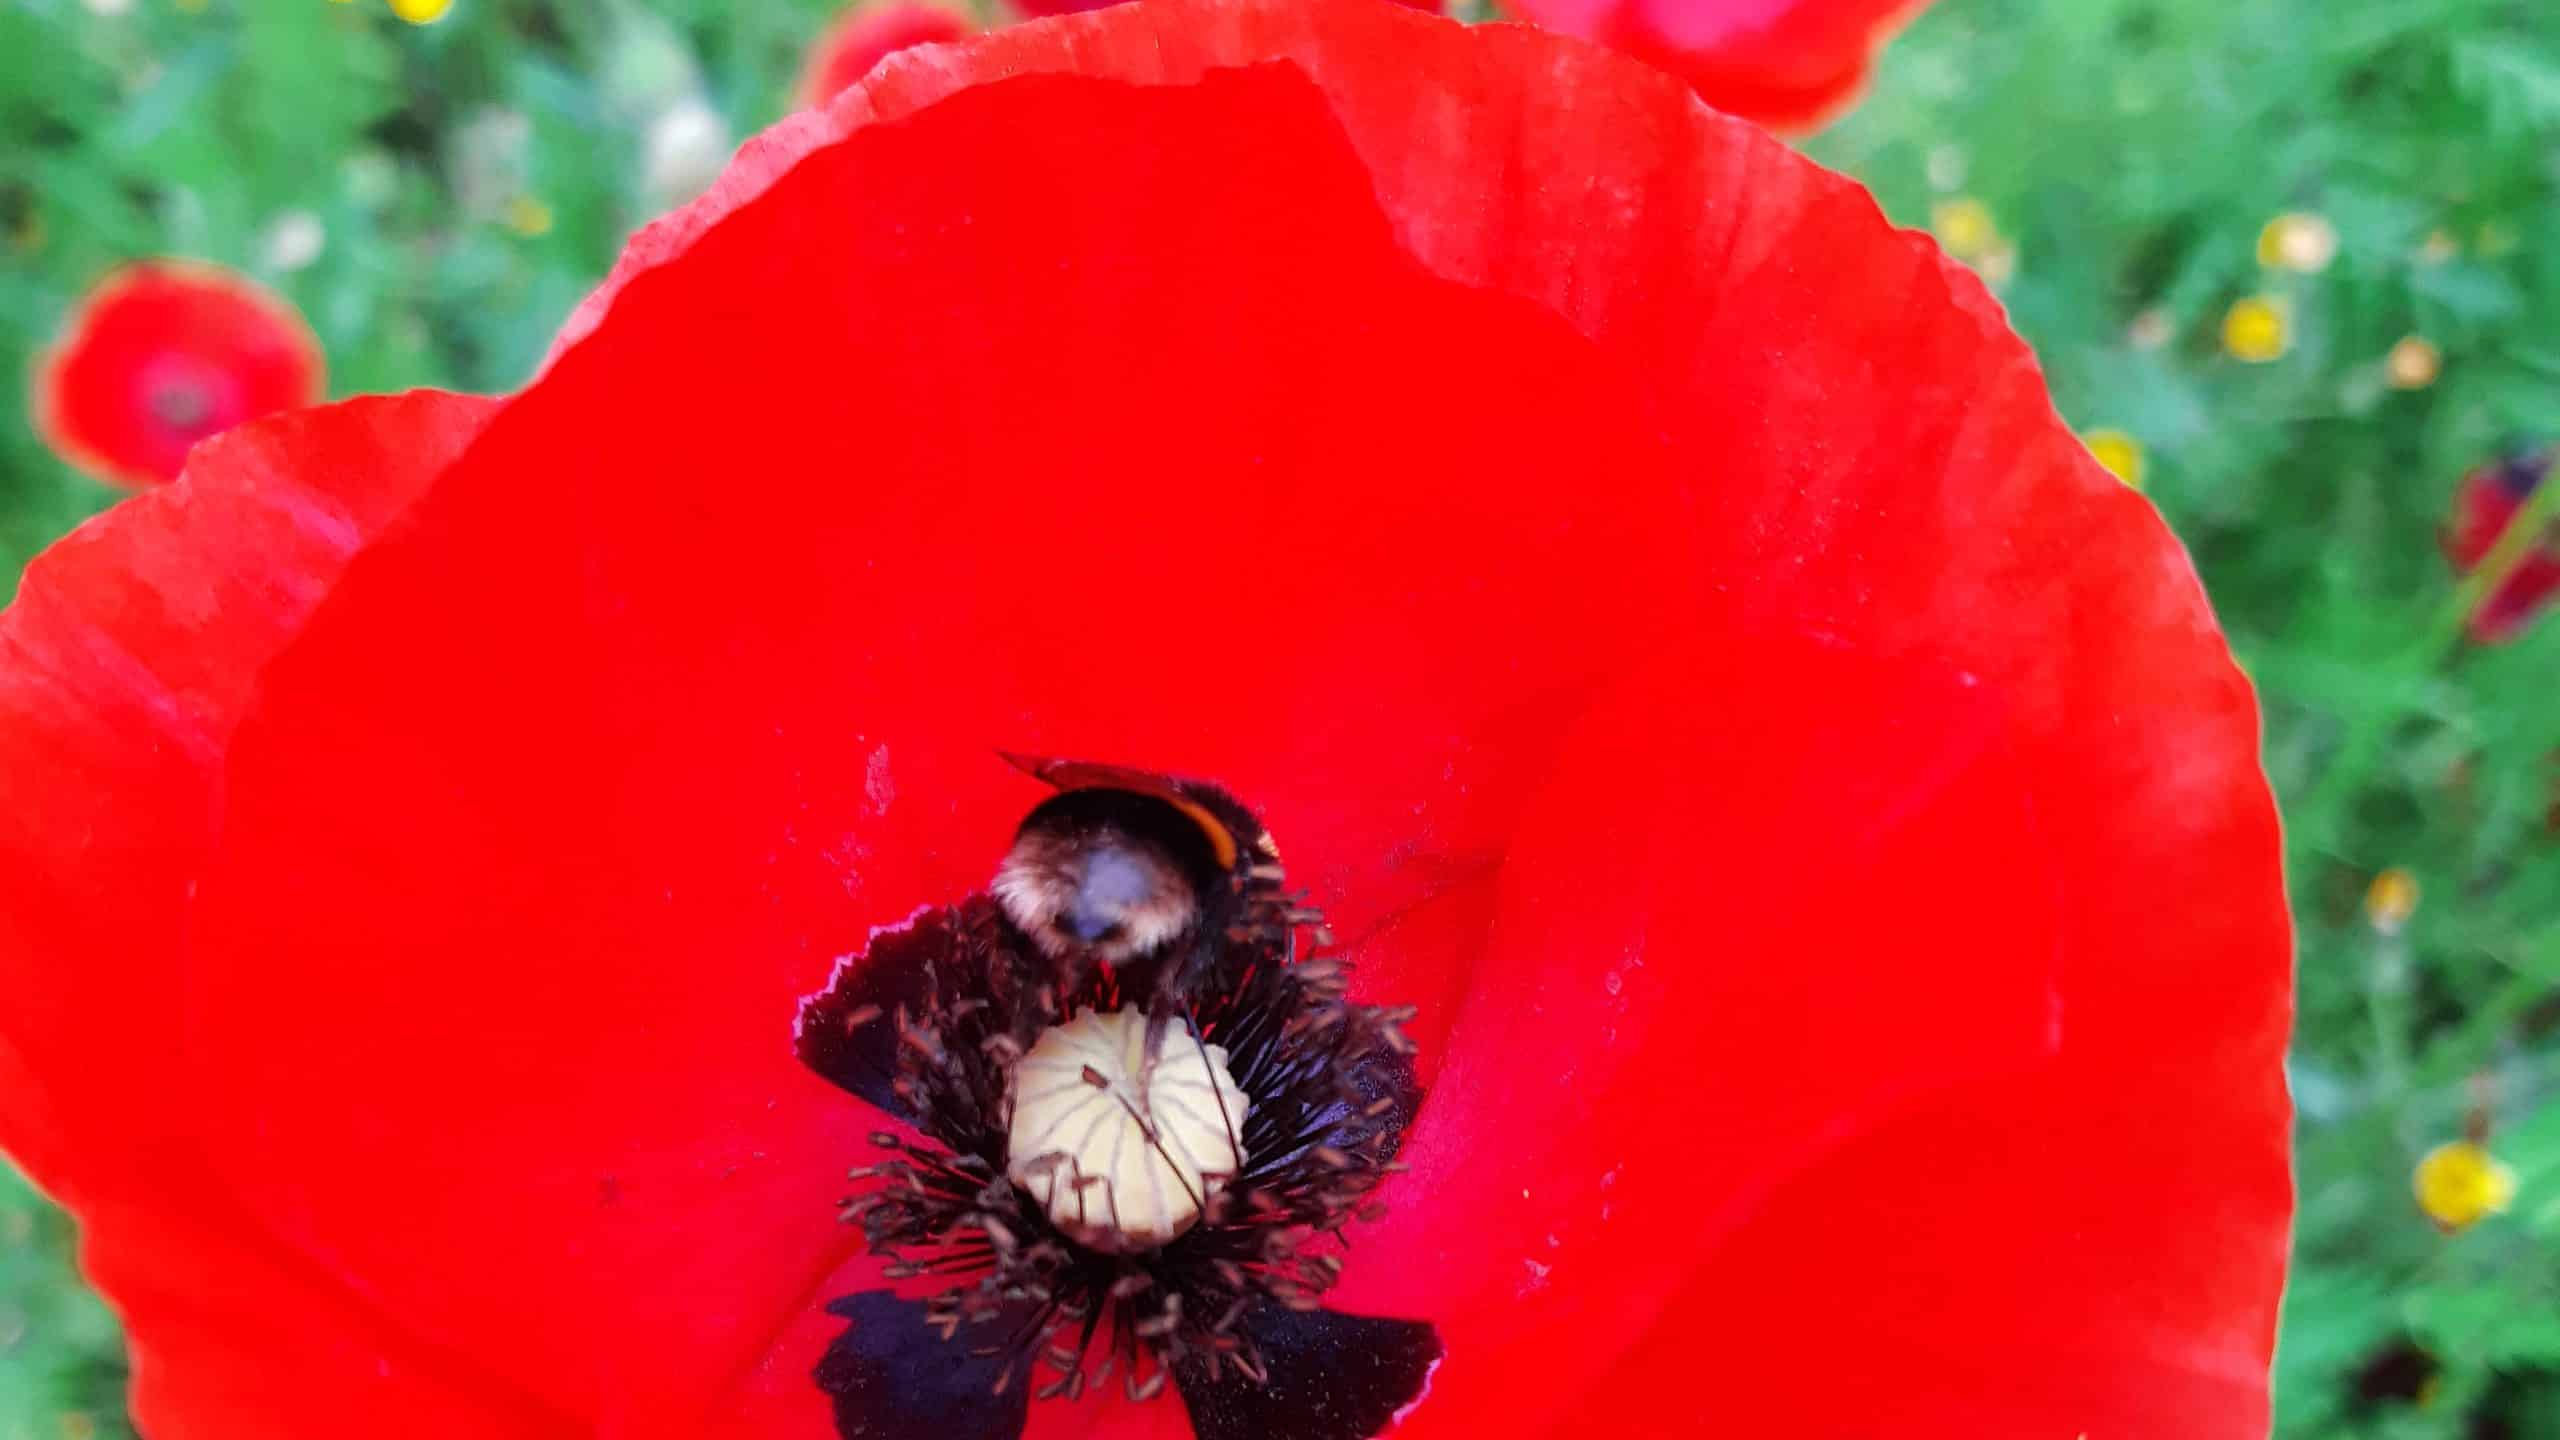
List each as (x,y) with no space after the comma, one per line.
(124,665)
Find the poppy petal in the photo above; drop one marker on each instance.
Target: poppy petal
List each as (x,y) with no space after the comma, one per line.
(1896,512)
(1731,937)
(234,1338)
(126,659)
(2088,1258)
(124,663)
(2142,741)
(601,1103)
(1425,957)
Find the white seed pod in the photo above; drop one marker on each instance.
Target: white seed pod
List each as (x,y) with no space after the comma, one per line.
(1123,1148)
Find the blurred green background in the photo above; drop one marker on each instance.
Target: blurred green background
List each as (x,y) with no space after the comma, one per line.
(2111,164)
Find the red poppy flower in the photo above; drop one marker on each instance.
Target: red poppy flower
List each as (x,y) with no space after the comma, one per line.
(2484,506)
(1809,922)
(1791,64)
(862,37)
(162,355)
(1070,7)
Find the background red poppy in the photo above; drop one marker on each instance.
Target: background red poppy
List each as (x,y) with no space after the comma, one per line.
(161,355)
(865,35)
(1792,64)
(1854,633)
(1070,7)
(2488,501)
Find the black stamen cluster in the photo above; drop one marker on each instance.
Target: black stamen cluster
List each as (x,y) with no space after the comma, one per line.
(1331,1092)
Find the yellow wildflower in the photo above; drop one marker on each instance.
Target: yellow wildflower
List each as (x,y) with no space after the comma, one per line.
(2119,452)
(2413,364)
(1964,225)
(2460,1183)
(2299,241)
(2258,328)
(528,217)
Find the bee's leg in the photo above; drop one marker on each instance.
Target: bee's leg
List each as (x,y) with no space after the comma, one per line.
(1168,998)
(1160,1015)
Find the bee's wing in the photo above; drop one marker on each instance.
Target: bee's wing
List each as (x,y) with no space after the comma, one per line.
(1229,826)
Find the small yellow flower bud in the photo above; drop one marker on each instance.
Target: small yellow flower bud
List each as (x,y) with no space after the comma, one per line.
(2391,899)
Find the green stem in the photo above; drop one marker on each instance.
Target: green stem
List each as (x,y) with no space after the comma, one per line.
(2386,1010)
(2467,1049)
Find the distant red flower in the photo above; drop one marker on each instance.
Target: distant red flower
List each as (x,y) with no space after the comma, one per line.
(2484,506)
(1071,7)
(1791,64)
(465,853)
(160,356)
(867,34)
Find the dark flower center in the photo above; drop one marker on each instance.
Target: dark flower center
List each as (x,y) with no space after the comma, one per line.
(181,406)
(1138,1168)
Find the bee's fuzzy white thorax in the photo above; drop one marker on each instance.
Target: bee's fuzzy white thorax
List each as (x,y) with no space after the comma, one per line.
(1051,882)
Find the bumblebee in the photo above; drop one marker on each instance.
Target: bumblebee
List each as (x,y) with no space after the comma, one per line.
(1142,872)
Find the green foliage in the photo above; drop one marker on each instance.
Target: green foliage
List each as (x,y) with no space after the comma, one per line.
(472,178)
(61,1366)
